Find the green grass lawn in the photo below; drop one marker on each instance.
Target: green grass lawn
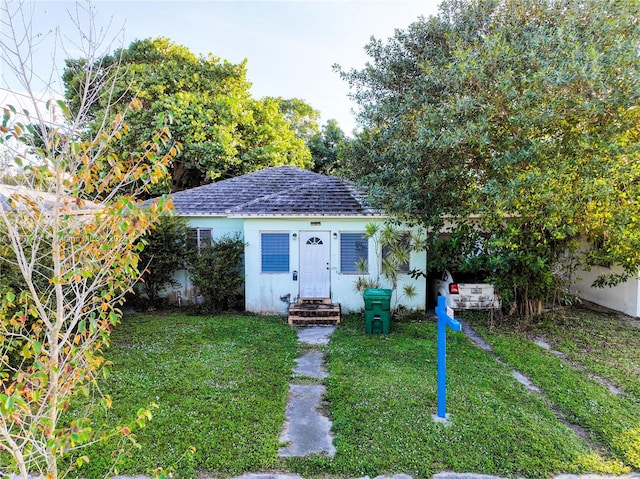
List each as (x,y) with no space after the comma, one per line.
(221,383)
(602,342)
(382,394)
(597,346)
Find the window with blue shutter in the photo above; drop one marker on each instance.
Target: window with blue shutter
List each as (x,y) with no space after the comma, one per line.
(404,244)
(354,247)
(275,252)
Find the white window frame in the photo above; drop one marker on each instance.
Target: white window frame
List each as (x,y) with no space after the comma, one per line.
(200,237)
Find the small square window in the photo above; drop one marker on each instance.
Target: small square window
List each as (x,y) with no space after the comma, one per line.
(199,238)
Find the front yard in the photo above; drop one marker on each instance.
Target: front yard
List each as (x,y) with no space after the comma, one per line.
(221,383)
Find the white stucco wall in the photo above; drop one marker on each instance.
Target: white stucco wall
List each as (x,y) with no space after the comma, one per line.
(265,290)
(624,297)
(221,226)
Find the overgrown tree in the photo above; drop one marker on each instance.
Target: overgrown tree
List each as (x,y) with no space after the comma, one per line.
(523,113)
(11,281)
(218,272)
(224,131)
(70,226)
(323,142)
(164,253)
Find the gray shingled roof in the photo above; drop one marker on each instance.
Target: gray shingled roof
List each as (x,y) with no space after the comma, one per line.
(280,191)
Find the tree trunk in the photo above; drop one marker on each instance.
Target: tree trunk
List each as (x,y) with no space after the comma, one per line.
(176,175)
(529,308)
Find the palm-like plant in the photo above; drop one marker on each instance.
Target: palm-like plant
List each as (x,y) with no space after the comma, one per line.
(393,249)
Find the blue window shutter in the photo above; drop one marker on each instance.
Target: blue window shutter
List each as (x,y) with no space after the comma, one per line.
(404,241)
(275,252)
(353,248)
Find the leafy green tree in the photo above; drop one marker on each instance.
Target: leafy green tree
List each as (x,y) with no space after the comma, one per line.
(302,118)
(264,140)
(325,147)
(324,143)
(523,113)
(164,253)
(11,280)
(392,250)
(224,132)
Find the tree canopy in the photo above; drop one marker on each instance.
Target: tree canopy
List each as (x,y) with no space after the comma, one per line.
(523,114)
(223,130)
(325,147)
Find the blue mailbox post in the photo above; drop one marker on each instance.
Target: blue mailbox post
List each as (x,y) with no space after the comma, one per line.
(445,318)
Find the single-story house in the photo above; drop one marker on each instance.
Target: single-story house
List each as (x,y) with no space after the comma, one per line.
(304,235)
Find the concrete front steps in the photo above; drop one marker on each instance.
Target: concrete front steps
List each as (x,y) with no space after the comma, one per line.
(319,311)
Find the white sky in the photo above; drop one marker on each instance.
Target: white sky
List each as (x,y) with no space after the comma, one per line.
(290,45)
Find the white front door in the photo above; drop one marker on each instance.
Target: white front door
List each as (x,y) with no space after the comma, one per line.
(315,259)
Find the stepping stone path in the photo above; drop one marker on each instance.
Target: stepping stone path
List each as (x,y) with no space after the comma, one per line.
(311,365)
(307,430)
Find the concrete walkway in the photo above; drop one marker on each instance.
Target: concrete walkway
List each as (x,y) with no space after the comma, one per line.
(307,429)
(311,365)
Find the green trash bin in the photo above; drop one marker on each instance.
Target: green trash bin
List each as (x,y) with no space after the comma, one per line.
(377,310)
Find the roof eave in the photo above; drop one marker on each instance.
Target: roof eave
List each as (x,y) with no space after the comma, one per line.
(307,215)
(208,214)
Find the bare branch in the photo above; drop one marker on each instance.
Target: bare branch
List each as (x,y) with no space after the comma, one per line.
(68,226)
